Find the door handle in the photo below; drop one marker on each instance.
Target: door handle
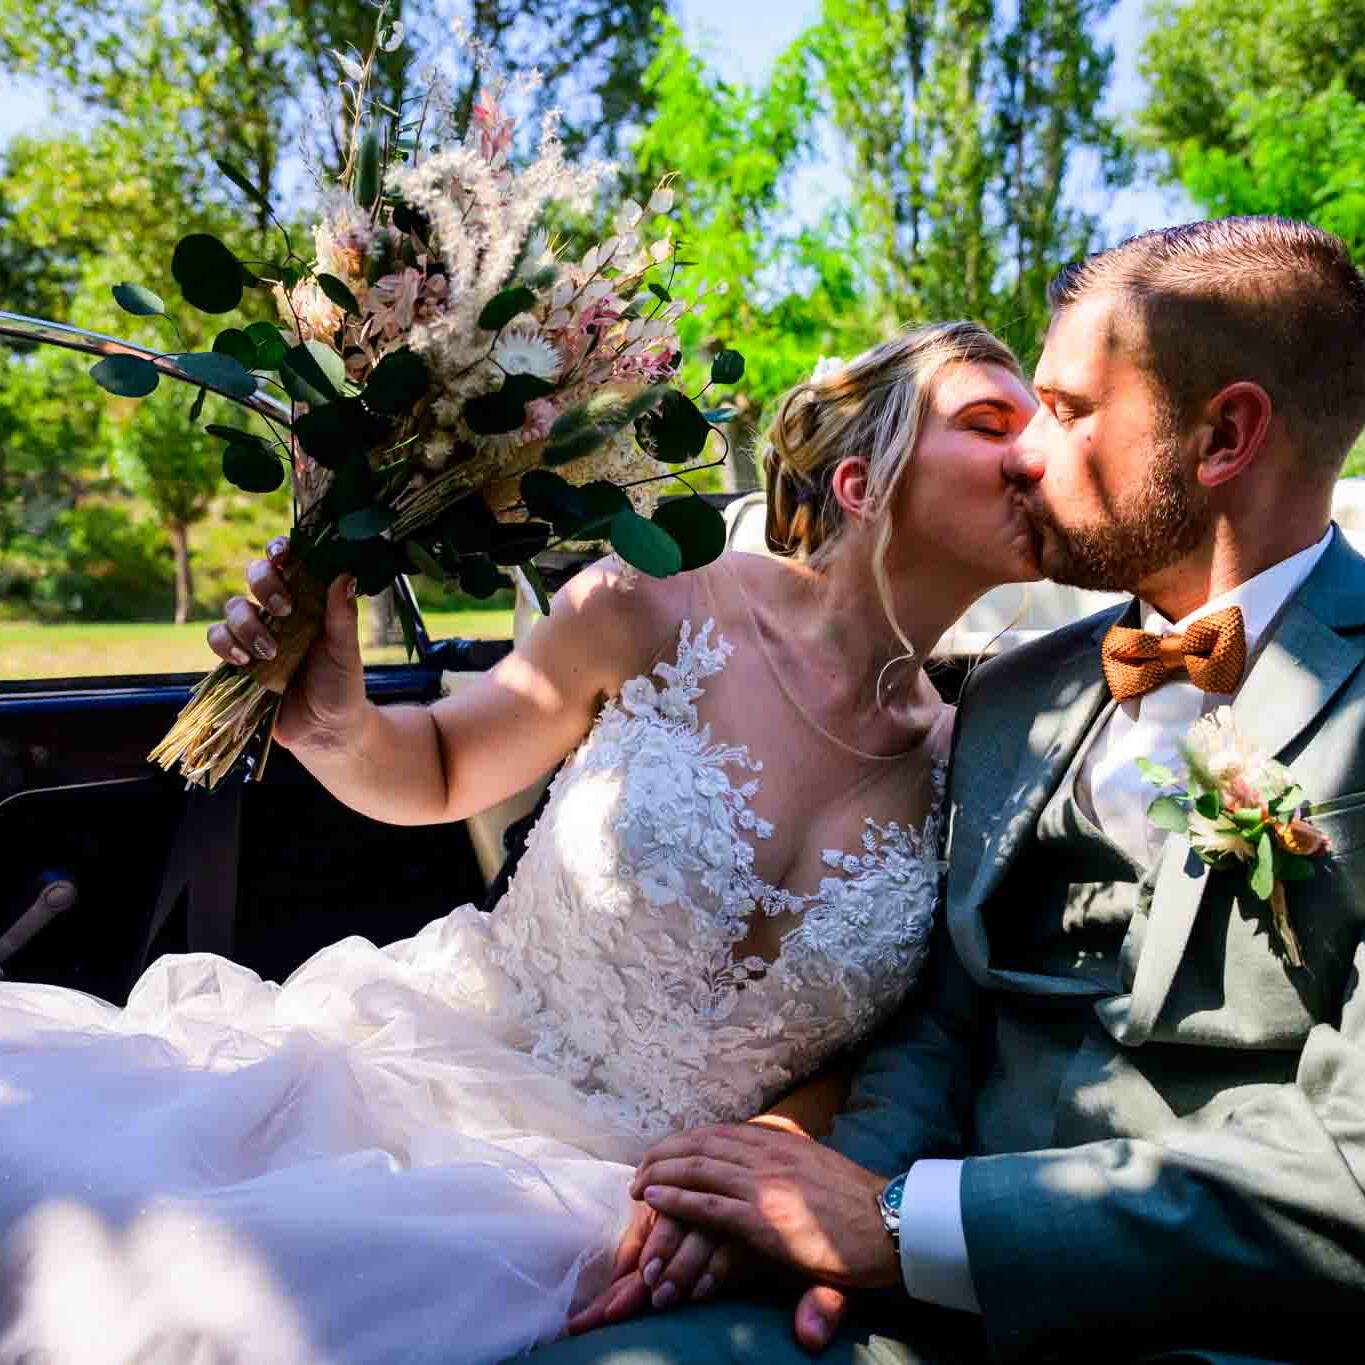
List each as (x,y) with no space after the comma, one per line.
(58,894)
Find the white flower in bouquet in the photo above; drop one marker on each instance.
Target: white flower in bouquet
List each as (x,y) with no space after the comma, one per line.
(522,350)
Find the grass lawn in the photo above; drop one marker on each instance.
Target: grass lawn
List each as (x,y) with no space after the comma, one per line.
(31,650)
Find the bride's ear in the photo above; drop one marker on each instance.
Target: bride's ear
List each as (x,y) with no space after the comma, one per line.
(849,486)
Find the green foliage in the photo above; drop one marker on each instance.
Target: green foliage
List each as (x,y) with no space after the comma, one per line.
(1201,56)
(1287,154)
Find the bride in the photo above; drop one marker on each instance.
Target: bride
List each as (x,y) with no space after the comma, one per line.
(422,1152)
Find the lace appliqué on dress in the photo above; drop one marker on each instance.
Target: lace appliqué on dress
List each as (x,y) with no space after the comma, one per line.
(638,882)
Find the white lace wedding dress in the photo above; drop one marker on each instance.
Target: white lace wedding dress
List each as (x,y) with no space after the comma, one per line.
(420,1153)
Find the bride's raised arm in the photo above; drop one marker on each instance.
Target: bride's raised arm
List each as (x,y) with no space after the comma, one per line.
(416,765)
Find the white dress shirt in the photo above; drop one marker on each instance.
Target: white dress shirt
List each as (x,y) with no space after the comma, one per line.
(1113,793)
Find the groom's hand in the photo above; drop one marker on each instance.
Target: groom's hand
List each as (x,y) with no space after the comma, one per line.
(787,1198)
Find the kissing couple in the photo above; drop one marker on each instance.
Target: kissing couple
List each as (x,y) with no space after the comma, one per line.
(817,1015)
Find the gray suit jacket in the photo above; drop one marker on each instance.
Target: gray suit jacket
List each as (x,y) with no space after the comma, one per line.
(1206,1178)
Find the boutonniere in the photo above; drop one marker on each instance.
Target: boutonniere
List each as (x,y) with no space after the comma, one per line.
(1240,808)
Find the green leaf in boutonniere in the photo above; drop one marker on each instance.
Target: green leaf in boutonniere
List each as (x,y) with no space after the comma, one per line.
(1292,867)
(1262,875)
(1208,805)
(1157,773)
(1168,812)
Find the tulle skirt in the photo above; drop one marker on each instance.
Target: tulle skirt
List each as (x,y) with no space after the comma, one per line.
(365,1164)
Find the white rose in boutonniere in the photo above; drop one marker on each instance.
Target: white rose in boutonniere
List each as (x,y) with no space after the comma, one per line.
(1238,806)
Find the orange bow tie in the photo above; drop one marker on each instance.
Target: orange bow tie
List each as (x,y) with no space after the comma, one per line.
(1213,651)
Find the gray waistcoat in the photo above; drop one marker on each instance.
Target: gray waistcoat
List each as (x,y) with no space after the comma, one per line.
(1065,909)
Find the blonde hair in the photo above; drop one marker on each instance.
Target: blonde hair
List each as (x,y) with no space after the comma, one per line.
(871,408)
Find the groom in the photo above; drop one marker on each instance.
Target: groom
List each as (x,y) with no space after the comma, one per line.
(1129,1123)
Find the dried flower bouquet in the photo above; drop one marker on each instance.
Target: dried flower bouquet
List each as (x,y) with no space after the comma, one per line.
(461,396)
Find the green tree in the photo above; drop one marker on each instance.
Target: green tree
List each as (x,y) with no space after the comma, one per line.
(1262,111)
(963,119)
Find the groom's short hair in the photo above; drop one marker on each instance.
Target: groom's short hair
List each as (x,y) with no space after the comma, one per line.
(1265,299)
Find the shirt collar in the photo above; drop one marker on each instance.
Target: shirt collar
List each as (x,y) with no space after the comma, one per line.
(1260,598)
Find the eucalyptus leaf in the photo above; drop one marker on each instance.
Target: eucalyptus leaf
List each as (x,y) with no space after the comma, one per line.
(269,343)
(238,345)
(727,367)
(423,561)
(209,275)
(251,467)
(676,431)
(696,526)
(1292,867)
(468,526)
(518,541)
(537,585)
(365,522)
(334,432)
(480,577)
(375,563)
(242,183)
(1158,774)
(1168,812)
(226,433)
(1261,878)
(338,292)
(312,373)
(138,300)
(504,306)
(648,547)
(1246,818)
(219,372)
(128,376)
(503,411)
(1208,805)
(352,487)
(396,383)
(1289,800)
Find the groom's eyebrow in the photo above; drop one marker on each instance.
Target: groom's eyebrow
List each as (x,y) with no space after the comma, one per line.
(1065,395)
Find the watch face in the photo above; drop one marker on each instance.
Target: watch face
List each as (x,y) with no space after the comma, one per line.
(893,1194)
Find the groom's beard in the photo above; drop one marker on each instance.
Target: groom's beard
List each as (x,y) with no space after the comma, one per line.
(1162,523)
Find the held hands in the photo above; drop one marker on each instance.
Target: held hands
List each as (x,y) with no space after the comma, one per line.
(325,702)
(722,1198)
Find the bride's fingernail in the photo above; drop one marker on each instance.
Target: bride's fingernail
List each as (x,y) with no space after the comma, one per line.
(240,656)
(664,1295)
(706,1286)
(279,605)
(352,587)
(652,1271)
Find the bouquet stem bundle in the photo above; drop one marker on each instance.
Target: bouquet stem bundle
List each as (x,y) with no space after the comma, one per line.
(229,707)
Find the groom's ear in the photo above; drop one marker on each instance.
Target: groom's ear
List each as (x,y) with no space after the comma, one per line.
(1233,432)
(849,485)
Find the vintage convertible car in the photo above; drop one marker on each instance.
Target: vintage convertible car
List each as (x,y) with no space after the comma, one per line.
(106,862)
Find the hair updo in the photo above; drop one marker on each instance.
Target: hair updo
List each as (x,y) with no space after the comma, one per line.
(870,408)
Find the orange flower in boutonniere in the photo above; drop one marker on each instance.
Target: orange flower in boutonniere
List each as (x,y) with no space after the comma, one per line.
(1237,806)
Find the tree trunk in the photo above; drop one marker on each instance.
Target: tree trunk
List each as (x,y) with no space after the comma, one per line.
(385,627)
(184,575)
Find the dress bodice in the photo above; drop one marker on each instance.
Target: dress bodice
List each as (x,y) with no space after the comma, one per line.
(622,929)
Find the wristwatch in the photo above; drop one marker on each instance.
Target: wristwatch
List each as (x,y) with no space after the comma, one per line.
(889,1206)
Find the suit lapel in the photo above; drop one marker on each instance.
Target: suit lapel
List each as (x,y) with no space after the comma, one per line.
(1293,679)
(1078,693)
